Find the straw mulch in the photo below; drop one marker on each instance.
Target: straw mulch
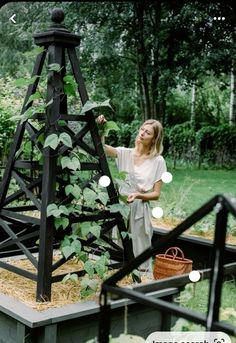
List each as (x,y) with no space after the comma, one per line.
(62,293)
(171,223)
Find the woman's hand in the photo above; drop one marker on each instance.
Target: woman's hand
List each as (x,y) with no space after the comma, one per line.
(101,119)
(131,197)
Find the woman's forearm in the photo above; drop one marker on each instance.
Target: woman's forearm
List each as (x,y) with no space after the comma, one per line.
(143,196)
(148,196)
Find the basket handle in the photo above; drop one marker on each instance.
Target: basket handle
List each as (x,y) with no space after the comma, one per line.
(174,251)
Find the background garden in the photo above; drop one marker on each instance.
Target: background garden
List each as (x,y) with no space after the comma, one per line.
(172,62)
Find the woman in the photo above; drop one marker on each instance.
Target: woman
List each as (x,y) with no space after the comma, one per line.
(144,166)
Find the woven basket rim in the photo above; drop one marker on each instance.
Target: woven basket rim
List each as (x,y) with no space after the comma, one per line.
(170,258)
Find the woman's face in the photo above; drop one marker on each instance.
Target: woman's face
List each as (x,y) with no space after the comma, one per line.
(145,135)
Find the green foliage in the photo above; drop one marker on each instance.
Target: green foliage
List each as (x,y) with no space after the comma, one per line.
(54,140)
(216,145)
(195,297)
(70,86)
(182,140)
(91,105)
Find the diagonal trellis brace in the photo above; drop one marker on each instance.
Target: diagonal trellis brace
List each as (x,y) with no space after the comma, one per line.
(43,184)
(17,242)
(20,129)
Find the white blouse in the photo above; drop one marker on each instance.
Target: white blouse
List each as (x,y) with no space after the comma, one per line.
(139,178)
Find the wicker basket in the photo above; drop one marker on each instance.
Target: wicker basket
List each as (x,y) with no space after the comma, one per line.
(170,265)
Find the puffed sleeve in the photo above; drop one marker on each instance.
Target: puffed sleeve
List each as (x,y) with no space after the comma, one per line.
(123,158)
(159,168)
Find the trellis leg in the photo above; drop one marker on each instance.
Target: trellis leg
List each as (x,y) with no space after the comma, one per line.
(49,182)
(17,140)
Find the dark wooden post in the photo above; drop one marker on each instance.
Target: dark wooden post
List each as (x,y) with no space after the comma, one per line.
(17,227)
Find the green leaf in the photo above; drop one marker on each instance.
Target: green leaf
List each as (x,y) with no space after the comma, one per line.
(95,229)
(89,105)
(110,126)
(70,85)
(69,189)
(74,164)
(33,97)
(62,221)
(100,268)
(89,283)
(54,210)
(67,162)
(85,228)
(93,284)
(89,196)
(86,293)
(66,241)
(74,278)
(83,256)
(89,267)
(66,278)
(65,139)
(122,208)
(52,141)
(75,190)
(64,210)
(106,103)
(84,282)
(54,67)
(67,251)
(71,277)
(103,197)
(77,246)
(50,209)
(21,82)
(69,89)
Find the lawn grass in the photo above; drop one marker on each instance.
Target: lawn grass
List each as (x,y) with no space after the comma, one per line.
(195,297)
(193,187)
(190,189)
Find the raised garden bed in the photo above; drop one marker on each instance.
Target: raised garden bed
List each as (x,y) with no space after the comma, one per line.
(76,322)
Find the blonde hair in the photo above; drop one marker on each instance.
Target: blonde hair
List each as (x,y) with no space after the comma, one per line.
(157,146)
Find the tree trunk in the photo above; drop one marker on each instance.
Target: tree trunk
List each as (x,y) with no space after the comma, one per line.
(155,107)
(232,106)
(193,105)
(142,57)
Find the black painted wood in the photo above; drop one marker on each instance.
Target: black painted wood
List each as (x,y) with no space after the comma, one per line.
(36,181)
(222,205)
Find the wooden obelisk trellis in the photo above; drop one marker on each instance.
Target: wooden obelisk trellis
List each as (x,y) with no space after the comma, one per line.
(20,229)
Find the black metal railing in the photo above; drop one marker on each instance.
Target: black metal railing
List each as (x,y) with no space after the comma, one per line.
(222,205)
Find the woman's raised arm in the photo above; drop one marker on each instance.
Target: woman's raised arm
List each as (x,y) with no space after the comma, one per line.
(109,150)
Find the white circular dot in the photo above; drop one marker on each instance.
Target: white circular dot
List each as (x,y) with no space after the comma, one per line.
(223,18)
(166,177)
(104,181)
(219,18)
(157,212)
(194,276)
(215,18)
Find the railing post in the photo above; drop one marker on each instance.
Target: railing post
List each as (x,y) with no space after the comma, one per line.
(216,277)
(104,318)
